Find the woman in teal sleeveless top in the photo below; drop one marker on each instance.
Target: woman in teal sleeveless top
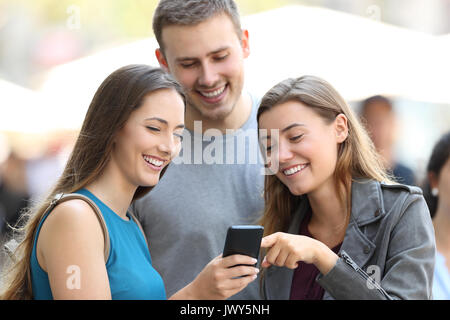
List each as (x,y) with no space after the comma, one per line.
(127,243)
(132,130)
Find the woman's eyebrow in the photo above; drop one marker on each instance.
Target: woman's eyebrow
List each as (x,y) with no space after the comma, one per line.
(158,119)
(165,122)
(292,126)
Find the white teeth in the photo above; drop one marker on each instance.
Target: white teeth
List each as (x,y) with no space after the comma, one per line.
(213,94)
(294,169)
(155,162)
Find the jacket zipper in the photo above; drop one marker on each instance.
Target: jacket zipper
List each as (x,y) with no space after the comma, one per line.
(365,276)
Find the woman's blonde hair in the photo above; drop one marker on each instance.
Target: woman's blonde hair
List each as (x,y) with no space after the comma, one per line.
(118,96)
(357,157)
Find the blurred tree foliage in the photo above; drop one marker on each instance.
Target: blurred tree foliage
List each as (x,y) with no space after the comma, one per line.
(50,32)
(114,18)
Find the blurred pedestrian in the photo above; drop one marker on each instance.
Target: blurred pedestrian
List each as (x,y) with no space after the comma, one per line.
(437,194)
(13,198)
(378,115)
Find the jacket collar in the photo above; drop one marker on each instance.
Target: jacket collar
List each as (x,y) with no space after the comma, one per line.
(367,201)
(367,207)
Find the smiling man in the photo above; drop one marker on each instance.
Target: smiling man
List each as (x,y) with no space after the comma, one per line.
(187,215)
(207,58)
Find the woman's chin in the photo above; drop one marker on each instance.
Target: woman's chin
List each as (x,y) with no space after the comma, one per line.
(153,181)
(297,190)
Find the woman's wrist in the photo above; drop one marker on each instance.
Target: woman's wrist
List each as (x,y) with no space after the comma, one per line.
(324,258)
(191,291)
(186,293)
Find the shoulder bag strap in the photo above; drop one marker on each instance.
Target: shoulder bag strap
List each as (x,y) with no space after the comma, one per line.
(139,225)
(60,198)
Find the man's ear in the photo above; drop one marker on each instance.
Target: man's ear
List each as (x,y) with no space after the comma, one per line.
(162,60)
(245,43)
(341,127)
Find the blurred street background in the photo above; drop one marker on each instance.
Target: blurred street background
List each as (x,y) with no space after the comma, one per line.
(55,53)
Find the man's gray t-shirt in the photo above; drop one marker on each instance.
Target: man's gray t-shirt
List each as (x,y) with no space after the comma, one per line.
(186,216)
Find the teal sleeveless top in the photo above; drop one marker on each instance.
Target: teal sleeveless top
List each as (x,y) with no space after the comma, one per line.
(129,265)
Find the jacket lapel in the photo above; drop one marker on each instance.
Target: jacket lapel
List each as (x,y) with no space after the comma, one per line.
(367,207)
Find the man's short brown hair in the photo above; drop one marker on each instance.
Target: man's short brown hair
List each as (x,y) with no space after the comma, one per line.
(192,12)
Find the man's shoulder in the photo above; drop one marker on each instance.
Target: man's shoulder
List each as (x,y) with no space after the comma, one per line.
(255,99)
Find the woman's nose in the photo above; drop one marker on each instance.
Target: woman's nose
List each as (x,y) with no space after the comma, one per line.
(284,152)
(168,145)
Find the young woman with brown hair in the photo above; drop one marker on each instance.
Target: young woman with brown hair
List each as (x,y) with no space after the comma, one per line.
(132,130)
(331,211)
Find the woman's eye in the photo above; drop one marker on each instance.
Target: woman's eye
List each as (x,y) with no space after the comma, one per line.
(153,129)
(296,138)
(265,145)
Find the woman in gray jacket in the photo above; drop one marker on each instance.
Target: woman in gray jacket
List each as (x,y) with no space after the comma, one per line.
(336,226)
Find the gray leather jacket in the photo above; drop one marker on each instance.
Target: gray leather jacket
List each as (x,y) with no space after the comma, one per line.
(390,236)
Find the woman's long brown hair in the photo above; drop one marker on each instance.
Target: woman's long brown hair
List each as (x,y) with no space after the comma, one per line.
(118,96)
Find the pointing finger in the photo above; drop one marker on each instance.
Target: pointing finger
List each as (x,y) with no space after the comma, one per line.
(269,241)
